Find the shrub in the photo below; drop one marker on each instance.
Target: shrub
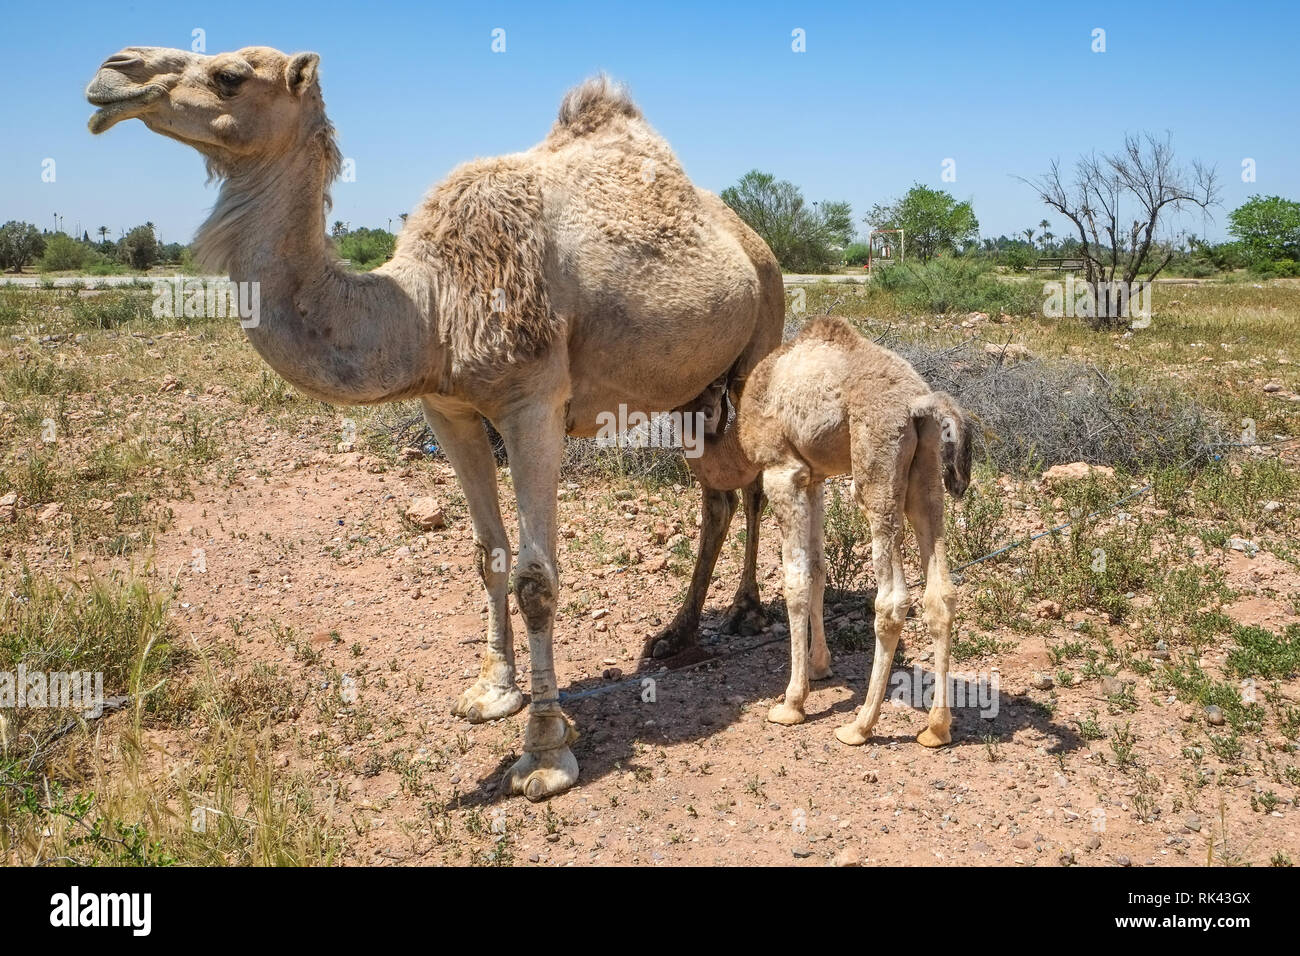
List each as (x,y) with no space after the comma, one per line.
(956,285)
(1038,413)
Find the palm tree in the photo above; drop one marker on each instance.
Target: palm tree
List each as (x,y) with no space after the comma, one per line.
(103,233)
(1029,235)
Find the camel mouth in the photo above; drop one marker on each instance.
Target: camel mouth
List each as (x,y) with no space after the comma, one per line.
(117,104)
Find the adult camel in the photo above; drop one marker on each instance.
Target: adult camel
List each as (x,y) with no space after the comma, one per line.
(538,290)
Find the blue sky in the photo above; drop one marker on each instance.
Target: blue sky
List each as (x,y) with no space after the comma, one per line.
(885,92)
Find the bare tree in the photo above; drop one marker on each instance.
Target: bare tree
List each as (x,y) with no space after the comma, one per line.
(1143,176)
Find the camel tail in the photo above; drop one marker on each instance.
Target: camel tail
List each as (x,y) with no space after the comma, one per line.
(941,420)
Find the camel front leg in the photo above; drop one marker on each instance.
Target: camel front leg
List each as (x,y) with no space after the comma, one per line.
(892,603)
(716,511)
(721,468)
(788,491)
(534,438)
(465,443)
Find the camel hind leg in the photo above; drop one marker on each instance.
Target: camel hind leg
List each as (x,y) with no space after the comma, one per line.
(925,512)
(788,491)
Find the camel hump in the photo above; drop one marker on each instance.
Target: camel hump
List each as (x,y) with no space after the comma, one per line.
(593,103)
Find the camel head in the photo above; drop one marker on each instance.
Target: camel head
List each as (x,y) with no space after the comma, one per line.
(235,108)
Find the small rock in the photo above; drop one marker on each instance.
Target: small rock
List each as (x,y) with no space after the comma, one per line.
(1123,861)
(1041,681)
(1214,715)
(1161,653)
(1110,686)
(50,512)
(1021,843)
(848,857)
(426,514)
(1075,471)
(1094,842)
(1248,548)
(1048,610)
(1192,822)
(411,453)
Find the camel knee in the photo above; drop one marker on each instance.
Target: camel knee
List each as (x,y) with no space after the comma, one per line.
(535,590)
(891,611)
(940,604)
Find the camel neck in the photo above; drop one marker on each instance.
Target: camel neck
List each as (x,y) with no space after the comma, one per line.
(339,336)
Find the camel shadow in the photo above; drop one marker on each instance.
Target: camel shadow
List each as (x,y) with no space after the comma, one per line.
(620,721)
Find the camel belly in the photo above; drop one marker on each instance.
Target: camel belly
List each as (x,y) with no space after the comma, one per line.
(654,347)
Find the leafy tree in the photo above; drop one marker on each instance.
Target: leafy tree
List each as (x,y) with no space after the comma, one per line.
(171,251)
(140,247)
(803,239)
(932,220)
(63,252)
(367,248)
(20,243)
(1268,228)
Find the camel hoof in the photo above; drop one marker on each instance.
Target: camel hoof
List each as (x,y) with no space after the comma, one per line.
(746,617)
(820,673)
(483,702)
(786,714)
(542,774)
(851,735)
(673,639)
(928,738)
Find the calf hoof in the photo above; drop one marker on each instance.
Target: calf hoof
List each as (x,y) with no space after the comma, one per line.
(851,735)
(929,737)
(483,702)
(786,714)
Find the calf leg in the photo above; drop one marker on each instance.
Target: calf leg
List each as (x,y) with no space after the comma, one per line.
(880,469)
(925,511)
(787,489)
(820,666)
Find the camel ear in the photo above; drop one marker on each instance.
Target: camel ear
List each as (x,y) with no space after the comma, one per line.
(300,74)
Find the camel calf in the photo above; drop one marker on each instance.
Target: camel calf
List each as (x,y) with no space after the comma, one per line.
(828,403)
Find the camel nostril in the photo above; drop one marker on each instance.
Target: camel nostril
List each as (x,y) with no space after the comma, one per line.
(119,60)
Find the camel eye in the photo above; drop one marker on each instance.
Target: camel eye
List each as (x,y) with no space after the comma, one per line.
(228,82)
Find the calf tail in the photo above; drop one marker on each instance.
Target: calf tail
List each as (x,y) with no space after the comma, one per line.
(938,418)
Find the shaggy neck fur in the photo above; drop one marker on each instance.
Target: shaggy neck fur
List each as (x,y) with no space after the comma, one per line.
(338,336)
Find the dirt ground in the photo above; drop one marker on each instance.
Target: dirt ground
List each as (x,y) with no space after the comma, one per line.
(318,548)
